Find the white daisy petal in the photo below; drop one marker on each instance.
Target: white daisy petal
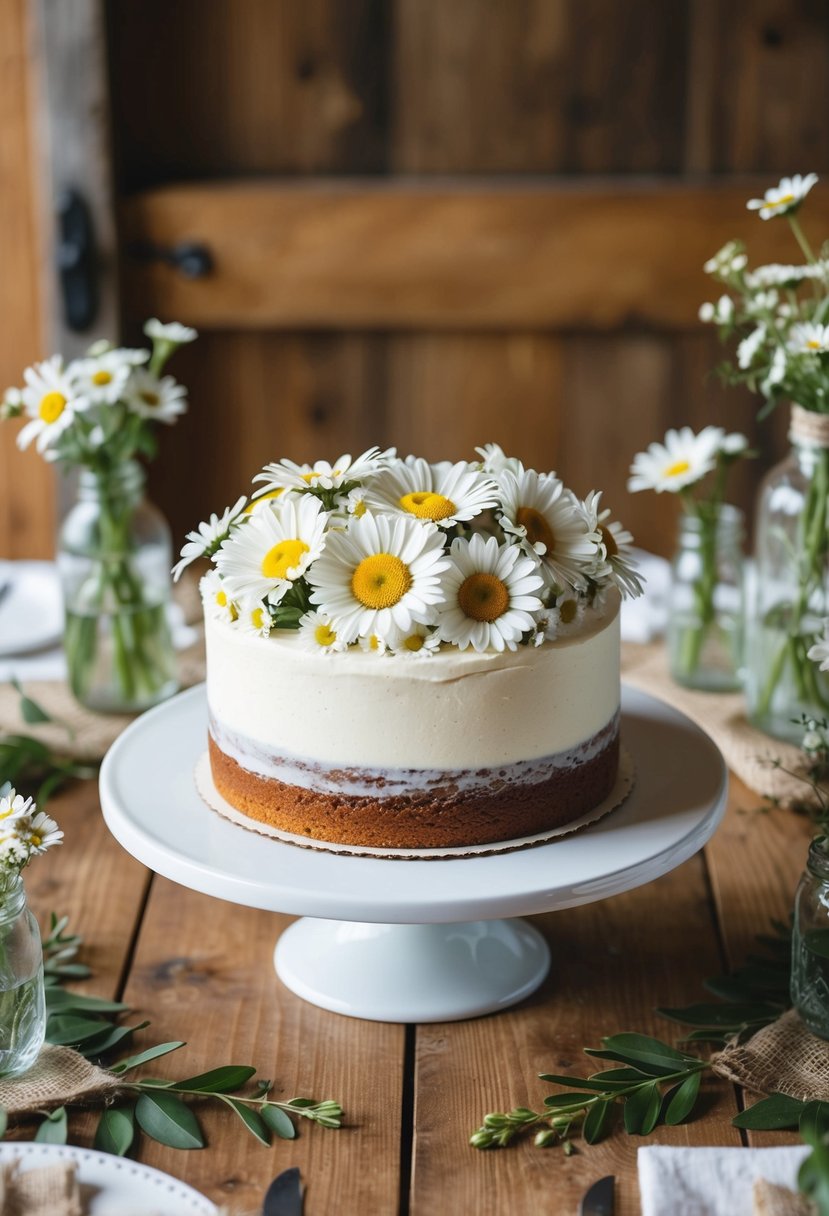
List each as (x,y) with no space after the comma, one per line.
(274,548)
(684,458)
(547,518)
(206,540)
(317,633)
(481,608)
(439,494)
(784,198)
(285,474)
(159,400)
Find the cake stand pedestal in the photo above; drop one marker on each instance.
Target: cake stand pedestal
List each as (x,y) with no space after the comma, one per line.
(411,940)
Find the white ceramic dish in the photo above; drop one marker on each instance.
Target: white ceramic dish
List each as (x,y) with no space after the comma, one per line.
(113,1186)
(31,610)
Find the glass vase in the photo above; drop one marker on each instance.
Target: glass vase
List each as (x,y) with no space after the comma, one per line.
(705,621)
(788,598)
(114,559)
(810,942)
(22,994)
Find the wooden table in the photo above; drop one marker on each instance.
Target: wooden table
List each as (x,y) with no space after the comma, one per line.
(197,967)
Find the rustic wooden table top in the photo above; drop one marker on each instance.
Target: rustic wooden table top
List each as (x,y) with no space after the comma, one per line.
(199,969)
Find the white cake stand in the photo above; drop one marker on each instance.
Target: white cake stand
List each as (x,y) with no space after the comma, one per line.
(411,940)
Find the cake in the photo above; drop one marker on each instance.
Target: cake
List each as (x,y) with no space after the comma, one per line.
(412,656)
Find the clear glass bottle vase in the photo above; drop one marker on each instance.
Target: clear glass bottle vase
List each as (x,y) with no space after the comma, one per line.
(789,593)
(705,620)
(22,994)
(810,941)
(114,559)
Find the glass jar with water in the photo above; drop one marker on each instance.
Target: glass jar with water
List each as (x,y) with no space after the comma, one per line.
(810,941)
(22,999)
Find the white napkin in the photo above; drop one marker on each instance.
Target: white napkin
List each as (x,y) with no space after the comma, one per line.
(645,618)
(711,1181)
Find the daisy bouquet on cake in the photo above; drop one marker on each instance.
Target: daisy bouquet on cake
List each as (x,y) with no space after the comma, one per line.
(403,556)
(777,316)
(99,414)
(705,621)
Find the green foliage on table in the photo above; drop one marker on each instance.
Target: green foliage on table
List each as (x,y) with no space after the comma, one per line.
(156,1107)
(29,762)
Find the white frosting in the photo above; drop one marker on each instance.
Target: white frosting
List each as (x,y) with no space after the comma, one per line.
(455,710)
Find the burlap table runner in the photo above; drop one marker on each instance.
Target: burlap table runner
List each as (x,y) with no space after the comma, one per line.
(60,1077)
(773,1200)
(748,752)
(50,1190)
(783,1058)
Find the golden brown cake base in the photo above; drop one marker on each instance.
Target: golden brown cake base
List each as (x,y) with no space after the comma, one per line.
(498,811)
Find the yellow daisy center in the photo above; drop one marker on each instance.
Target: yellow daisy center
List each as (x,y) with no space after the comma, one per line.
(414,643)
(813,344)
(261,498)
(609,541)
(483,597)
(781,201)
(538,530)
(374,642)
(257,617)
(359,509)
(149,398)
(426,505)
(567,611)
(677,468)
(36,839)
(283,557)
(380,581)
(221,599)
(324,635)
(101,378)
(51,407)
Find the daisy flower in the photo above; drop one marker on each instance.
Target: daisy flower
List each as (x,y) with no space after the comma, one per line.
(727,261)
(443,494)
(41,833)
(819,652)
(683,459)
(172,332)
(255,618)
(749,347)
(372,643)
(568,612)
(162,400)
(381,573)
(784,198)
(809,339)
(495,460)
(489,594)
(317,633)
(13,806)
(215,598)
(419,642)
(617,563)
(51,401)
(538,509)
(101,378)
(209,536)
(734,444)
(274,547)
(721,313)
(286,475)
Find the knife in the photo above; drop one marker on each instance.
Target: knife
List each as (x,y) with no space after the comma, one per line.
(598,1201)
(284,1196)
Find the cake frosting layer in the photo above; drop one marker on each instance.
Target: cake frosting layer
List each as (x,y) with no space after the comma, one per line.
(456,711)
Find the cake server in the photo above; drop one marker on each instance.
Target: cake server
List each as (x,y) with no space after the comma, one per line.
(598,1201)
(284,1196)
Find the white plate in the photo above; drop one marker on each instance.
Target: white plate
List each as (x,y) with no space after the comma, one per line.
(31,611)
(114,1186)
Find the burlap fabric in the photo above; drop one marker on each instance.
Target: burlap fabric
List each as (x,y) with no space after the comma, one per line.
(748,752)
(50,1190)
(61,1077)
(783,1058)
(772,1200)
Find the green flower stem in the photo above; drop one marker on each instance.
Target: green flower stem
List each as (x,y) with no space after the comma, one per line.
(703,589)
(800,237)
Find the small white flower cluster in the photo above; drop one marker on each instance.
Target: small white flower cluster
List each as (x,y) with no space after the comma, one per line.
(684,458)
(402,556)
(25,832)
(776,312)
(95,407)
(819,652)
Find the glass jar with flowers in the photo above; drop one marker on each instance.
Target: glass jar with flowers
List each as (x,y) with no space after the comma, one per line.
(25,832)
(98,415)
(779,315)
(705,620)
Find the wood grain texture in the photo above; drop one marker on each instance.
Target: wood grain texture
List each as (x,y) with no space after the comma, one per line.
(248,87)
(203,972)
(26,483)
(442,256)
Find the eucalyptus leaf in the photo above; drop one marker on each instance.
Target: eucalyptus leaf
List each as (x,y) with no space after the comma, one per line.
(771,1114)
(642,1109)
(144,1057)
(4,1121)
(597,1121)
(588,1083)
(682,1099)
(54,1128)
(30,711)
(814,1121)
(618,1078)
(714,1016)
(651,1068)
(59,999)
(165,1118)
(252,1120)
(218,1080)
(280,1123)
(72,1030)
(571,1099)
(116,1130)
(105,1042)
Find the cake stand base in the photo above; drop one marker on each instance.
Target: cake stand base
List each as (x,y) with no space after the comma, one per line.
(412,973)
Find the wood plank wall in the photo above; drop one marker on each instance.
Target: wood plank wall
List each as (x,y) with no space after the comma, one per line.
(682,94)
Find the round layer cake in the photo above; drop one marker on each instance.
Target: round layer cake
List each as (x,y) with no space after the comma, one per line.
(463,748)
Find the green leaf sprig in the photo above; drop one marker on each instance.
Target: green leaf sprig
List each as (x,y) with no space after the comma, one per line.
(158,1108)
(27,761)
